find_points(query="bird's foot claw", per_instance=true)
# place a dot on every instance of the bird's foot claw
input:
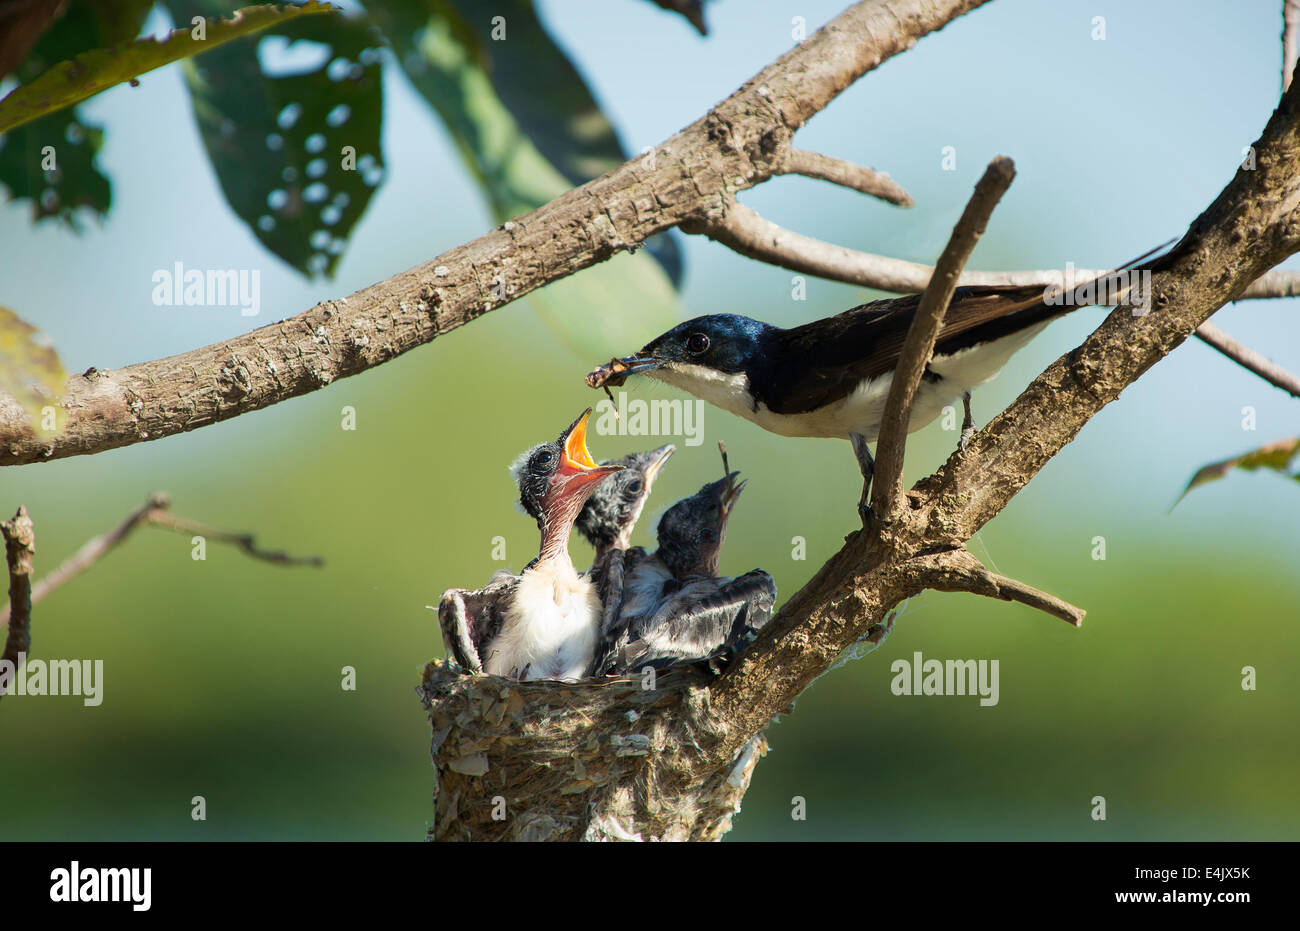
(966, 434)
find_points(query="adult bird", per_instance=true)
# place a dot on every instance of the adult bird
(831, 377)
(545, 622)
(675, 606)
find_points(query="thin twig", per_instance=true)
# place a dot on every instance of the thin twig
(887, 494)
(1248, 358)
(749, 233)
(846, 174)
(244, 541)
(20, 553)
(152, 512)
(1290, 28)
(95, 548)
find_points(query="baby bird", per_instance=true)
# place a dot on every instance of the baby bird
(675, 606)
(607, 521)
(545, 622)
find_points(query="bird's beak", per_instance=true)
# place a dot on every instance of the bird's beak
(657, 460)
(731, 493)
(635, 365)
(577, 466)
(615, 371)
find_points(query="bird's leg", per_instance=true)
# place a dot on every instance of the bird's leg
(967, 423)
(868, 467)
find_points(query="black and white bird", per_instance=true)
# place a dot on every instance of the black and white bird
(545, 622)
(675, 606)
(831, 377)
(608, 519)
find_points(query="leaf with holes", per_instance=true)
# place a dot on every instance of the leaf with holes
(297, 154)
(90, 72)
(51, 161)
(30, 370)
(1282, 457)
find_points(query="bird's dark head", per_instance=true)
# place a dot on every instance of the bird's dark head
(555, 479)
(609, 515)
(692, 531)
(726, 343)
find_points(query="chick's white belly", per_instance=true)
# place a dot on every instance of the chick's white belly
(549, 631)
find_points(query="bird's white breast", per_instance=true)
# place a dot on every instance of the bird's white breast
(550, 628)
(861, 410)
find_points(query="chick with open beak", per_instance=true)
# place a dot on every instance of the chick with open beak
(544, 623)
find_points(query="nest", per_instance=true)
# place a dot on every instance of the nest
(637, 758)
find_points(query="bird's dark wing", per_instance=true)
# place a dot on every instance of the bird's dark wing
(607, 575)
(470, 619)
(700, 618)
(820, 362)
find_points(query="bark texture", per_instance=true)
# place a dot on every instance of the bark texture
(695, 174)
(693, 738)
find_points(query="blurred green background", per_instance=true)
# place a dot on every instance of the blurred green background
(222, 677)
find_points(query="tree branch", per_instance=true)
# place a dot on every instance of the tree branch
(154, 511)
(1248, 358)
(740, 143)
(846, 174)
(20, 553)
(244, 541)
(964, 573)
(1290, 27)
(745, 231)
(887, 494)
(1252, 226)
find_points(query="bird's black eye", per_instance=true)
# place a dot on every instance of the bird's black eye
(544, 459)
(696, 343)
(634, 487)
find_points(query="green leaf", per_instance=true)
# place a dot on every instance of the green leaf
(51, 161)
(449, 59)
(510, 98)
(90, 72)
(298, 155)
(692, 10)
(30, 370)
(1275, 457)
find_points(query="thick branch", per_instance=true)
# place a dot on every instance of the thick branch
(846, 174)
(1248, 358)
(740, 143)
(1253, 225)
(20, 554)
(887, 495)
